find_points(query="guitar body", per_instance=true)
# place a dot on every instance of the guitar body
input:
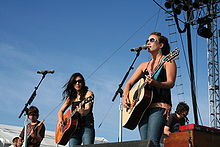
(140, 98)
(63, 133)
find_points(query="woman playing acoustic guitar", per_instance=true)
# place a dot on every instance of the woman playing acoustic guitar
(76, 95)
(153, 119)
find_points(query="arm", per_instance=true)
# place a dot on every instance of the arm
(63, 108)
(84, 111)
(168, 125)
(134, 78)
(166, 130)
(171, 77)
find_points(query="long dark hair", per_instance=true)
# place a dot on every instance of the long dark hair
(162, 39)
(70, 91)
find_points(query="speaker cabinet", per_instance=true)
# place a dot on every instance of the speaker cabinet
(194, 138)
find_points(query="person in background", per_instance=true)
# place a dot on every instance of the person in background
(177, 119)
(19, 142)
(74, 93)
(35, 129)
(153, 120)
(14, 142)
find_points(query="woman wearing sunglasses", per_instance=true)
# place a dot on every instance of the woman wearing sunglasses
(76, 95)
(153, 119)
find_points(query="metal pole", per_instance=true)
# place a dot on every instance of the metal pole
(192, 80)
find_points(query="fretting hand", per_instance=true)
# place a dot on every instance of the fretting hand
(150, 81)
(81, 110)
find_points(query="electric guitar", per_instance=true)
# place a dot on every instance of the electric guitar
(70, 124)
(141, 96)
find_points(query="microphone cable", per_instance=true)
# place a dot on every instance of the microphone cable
(116, 50)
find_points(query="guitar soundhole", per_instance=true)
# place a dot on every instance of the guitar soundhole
(64, 123)
(136, 96)
(147, 87)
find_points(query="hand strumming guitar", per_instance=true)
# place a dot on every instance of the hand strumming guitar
(60, 122)
(126, 102)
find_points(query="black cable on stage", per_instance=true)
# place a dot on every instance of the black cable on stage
(52, 110)
(157, 20)
(147, 21)
(184, 53)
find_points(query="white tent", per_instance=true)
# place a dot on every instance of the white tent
(7, 133)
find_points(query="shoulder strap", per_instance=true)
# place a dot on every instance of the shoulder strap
(158, 72)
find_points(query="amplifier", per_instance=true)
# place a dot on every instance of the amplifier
(199, 128)
(195, 136)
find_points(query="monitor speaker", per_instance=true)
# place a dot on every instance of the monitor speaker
(141, 143)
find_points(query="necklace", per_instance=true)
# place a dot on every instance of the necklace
(152, 67)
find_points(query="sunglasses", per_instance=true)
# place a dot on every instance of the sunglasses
(151, 40)
(79, 81)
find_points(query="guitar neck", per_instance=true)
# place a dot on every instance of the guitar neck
(71, 115)
(74, 111)
(166, 58)
(80, 105)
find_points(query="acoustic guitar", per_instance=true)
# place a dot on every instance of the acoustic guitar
(70, 124)
(141, 96)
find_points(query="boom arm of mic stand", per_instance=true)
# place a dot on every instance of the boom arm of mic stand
(119, 90)
(33, 95)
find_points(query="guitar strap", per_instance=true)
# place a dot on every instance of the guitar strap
(158, 72)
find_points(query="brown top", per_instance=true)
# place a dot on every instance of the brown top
(39, 132)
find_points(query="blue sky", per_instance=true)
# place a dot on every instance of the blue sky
(91, 37)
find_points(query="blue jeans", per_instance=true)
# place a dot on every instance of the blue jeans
(83, 135)
(152, 124)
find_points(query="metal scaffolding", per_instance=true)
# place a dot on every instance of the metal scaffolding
(213, 69)
(203, 13)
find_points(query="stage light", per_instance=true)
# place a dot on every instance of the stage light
(204, 20)
(168, 4)
(185, 7)
(204, 32)
(195, 4)
(176, 2)
(206, 1)
(178, 9)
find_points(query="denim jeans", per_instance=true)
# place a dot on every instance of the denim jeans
(152, 124)
(83, 135)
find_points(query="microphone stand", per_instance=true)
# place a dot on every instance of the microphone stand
(25, 109)
(120, 91)
(190, 137)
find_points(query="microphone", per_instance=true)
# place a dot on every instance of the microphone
(45, 72)
(186, 119)
(137, 49)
